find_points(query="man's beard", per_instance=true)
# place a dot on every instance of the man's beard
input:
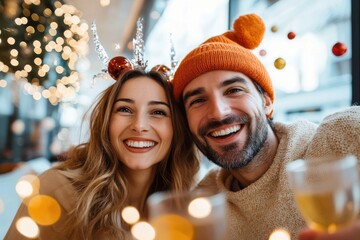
(233, 157)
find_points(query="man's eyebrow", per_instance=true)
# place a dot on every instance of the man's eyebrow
(193, 93)
(232, 80)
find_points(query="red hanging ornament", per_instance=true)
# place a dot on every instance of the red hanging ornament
(291, 35)
(118, 65)
(339, 49)
(161, 69)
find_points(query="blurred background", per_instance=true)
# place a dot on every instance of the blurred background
(48, 61)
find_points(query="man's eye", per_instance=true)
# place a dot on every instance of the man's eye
(196, 101)
(234, 90)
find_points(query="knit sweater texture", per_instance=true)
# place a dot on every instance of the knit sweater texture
(254, 212)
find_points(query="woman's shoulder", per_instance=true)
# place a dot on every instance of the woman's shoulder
(55, 184)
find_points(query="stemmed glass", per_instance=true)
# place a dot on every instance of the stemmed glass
(327, 191)
(190, 215)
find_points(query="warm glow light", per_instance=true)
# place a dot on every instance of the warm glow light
(59, 69)
(37, 96)
(47, 12)
(143, 231)
(130, 215)
(27, 68)
(37, 43)
(30, 29)
(38, 61)
(37, 50)
(104, 3)
(24, 20)
(11, 40)
(59, 12)
(27, 227)
(35, 17)
(199, 208)
(18, 21)
(14, 62)
(3, 83)
(46, 93)
(280, 234)
(27, 186)
(14, 52)
(44, 210)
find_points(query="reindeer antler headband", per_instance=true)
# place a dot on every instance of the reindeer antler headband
(119, 64)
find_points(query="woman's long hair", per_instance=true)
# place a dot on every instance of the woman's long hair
(97, 176)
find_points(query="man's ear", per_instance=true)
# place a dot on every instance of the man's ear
(268, 105)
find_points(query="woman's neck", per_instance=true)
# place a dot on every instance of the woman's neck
(139, 183)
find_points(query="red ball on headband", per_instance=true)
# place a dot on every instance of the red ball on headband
(118, 65)
(162, 69)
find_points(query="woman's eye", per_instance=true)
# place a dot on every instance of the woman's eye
(159, 112)
(124, 110)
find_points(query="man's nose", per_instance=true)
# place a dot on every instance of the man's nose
(219, 108)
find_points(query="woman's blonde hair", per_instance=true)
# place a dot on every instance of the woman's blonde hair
(97, 176)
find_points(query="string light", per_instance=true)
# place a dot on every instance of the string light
(39, 32)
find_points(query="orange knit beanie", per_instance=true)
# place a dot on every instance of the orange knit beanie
(229, 51)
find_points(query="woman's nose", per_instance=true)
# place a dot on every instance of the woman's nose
(140, 124)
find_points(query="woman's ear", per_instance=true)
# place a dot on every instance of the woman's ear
(268, 105)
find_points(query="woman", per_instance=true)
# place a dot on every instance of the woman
(138, 145)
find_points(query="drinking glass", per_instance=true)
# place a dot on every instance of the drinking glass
(193, 215)
(327, 191)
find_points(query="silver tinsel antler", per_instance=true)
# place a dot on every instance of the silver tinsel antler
(139, 46)
(101, 54)
(174, 62)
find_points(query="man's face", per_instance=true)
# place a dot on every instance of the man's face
(227, 117)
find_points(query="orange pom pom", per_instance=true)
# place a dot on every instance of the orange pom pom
(249, 30)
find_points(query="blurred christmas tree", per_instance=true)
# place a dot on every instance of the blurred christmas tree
(41, 42)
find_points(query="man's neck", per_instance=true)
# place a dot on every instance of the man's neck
(258, 166)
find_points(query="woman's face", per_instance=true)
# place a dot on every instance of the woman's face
(140, 124)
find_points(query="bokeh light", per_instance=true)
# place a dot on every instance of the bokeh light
(130, 215)
(280, 234)
(143, 231)
(27, 186)
(200, 208)
(27, 227)
(44, 210)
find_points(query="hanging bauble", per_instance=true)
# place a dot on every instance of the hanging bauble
(162, 69)
(339, 49)
(118, 65)
(274, 29)
(280, 63)
(291, 35)
(262, 52)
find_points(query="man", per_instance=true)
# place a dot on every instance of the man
(228, 98)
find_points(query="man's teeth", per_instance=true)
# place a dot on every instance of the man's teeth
(226, 131)
(140, 144)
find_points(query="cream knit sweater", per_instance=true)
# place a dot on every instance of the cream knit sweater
(255, 212)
